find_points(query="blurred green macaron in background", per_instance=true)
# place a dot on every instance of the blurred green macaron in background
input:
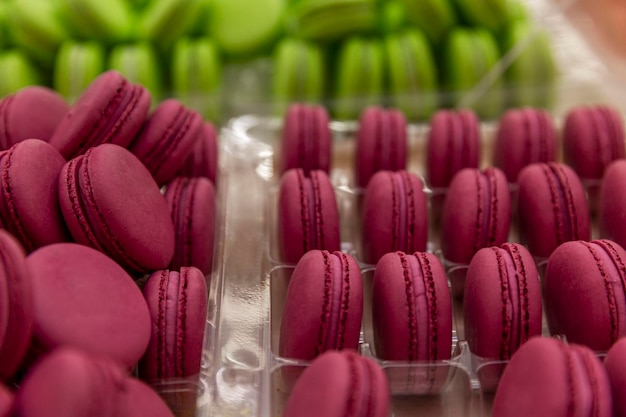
(109, 21)
(77, 64)
(412, 74)
(435, 17)
(164, 21)
(299, 73)
(490, 14)
(138, 62)
(16, 71)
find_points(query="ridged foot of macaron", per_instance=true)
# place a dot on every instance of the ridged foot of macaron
(323, 307)
(381, 143)
(501, 306)
(308, 217)
(549, 378)
(340, 384)
(585, 293)
(203, 158)
(412, 319)
(395, 215)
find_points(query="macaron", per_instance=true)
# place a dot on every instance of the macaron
(6, 402)
(453, 144)
(177, 301)
(192, 205)
(490, 14)
(204, 156)
(29, 201)
(381, 143)
(525, 136)
(166, 139)
(196, 75)
(163, 22)
(308, 216)
(585, 293)
(547, 377)
(83, 299)
(76, 65)
(16, 307)
(358, 76)
(339, 384)
(435, 17)
(32, 112)
(109, 22)
(612, 203)
(305, 139)
(593, 137)
(110, 110)
(139, 399)
(412, 74)
(299, 73)
(476, 213)
(138, 62)
(552, 207)
(323, 307)
(614, 363)
(501, 306)
(110, 202)
(17, 71)
(412, 318)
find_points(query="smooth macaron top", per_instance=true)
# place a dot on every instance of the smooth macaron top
(525, 136)
(110, 110)
(381, 143)
(340, 384)
(323, 306)
(502, 301)
(593, 137)
(615, 364)
(308, 217)
(305, 139)
(29, 202)
(552, 207)
(585, 293)
(394, 215)
(453, 144)
(546, 377)
(84, 299)
(612, 203)
(476, 213)
(32, 113)
(110, 201)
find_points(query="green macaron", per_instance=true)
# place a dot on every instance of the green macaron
(469, 55)
(108, 21)
(359, 76)
(299, 73)
(164, 21)
(16, 72)
(196, 72)
(435, 17)
(531, 76)
(412, 74)
(490, 14)
(76, 65)
(138, 62)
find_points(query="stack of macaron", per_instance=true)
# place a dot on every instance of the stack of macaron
(82, 197)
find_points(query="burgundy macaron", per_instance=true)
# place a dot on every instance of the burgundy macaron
(381, 143)
(6, 402)
(16, 306)
(324, 306)
(552, 207)
(166, 139)
(453, 144)
(395, 215)
(140, 400)
(192, 206)
(612, 203)
(85, 300)
(615, 364)
(585, 293)
(525, 136)
(305, 139)
(308, 217)
(177, 301)
(203, 159)
(340, 384)
(29, 202)
(110, 110)
(593, 137)
(476, 213)
(32, 113)
(546, 377)
(110, 202)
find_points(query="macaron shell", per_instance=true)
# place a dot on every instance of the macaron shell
(139, 400)
(85, 300)
(29, 206)
(203, 158)
(612, 203)
(615, 364)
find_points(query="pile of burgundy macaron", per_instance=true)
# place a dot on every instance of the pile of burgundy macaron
(471, 212)
(84, 216)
